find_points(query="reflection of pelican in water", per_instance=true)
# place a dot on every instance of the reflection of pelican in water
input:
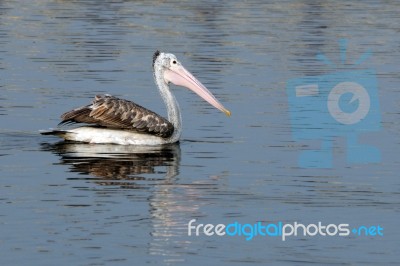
(170, 204)
(117, 164)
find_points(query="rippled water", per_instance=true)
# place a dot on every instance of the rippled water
(80, 204)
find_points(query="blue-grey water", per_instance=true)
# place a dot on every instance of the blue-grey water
(80, 204)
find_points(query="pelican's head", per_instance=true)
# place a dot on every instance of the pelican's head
(173, 71)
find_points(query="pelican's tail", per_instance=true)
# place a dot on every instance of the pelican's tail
(55, 132)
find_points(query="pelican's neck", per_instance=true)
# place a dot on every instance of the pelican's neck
(173, 111)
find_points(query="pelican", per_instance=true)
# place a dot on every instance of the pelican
(109, 119)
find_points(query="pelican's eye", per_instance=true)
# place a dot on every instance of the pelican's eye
(174, 62)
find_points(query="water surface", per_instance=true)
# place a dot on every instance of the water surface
(80, 204)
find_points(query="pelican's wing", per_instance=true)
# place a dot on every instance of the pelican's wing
(112, 112)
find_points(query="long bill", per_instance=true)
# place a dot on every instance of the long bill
(179, 76)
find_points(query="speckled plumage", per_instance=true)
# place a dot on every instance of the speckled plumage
(111, 112)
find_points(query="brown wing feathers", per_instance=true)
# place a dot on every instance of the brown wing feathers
(112, 112)
(78, 115)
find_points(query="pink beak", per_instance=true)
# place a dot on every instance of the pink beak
(179, 76)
